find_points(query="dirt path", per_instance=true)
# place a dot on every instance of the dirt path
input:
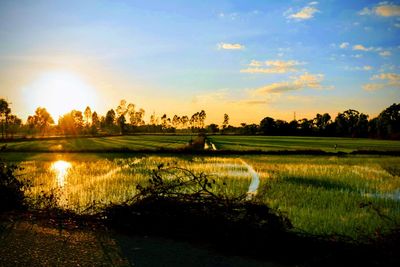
(24, 243)
(28, 244)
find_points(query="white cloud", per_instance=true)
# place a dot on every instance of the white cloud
(231, 16)
(385, 53)
(387, 80)
(373, 86)
(365, 11)
(363, 68)
(272, 66)
(311, 81)
(393, 77)
(228, 46)
(362, 48)
(383, 9)
(255, 63)
(388, 10)
(305, 13)
(344, 45)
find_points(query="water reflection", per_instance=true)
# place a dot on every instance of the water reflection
(61, 168)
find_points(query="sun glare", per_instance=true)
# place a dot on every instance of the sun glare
(60, 92)
(61, 168)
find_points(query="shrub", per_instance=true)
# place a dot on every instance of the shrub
(179, 203)
(11, 189)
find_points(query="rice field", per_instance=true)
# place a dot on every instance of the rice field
(81, 183)
(277, 143)
(220, 142)
(355, 196)
(134, 142)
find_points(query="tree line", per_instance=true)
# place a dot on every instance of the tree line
(126, 118)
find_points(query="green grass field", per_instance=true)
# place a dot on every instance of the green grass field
(136, 142)
(274, 143)
(222, 142)
(351, 195)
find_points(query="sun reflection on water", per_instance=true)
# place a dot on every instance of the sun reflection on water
(61, 168)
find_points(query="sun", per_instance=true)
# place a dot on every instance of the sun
(60, 92)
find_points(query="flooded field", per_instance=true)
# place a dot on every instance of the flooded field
(353, 195)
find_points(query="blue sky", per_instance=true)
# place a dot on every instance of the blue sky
(250, 59)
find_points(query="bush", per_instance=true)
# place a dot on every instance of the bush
(179, 203)
(11, 189)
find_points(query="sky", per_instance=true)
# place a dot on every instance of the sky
(249, 59)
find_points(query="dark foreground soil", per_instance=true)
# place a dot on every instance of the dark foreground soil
(32, 242)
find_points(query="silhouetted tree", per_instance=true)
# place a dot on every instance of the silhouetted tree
(95, 120)
(137, 117)
(249, 129)
(388, 124)
(282, 127)
(31, 124)
(164, 121)
(373, 128)
(184, 121)
(110, 118)
(13, 125)
(268, 126)
(122, 109)
(305, 126)
(321, 122)
(78, 119)
(42, 119)
(176, 120)
(88, 116)
(153, 119)
(201, 118)
(94, 128)
(212, 128)
(195, 121)
(71, 123)
(352, 123)
(4, 112)
(293, 127)
(121, 121)
(225, 123)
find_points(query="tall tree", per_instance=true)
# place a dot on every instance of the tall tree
(121, 121)
(176, 121)
(88, 116)
(202, 116)
(153, 119)
(14, 123)
(388, 123)
(225, 123)
(321, 122)
(164, 121)
(95, 120)
(71, 123)
(122, 109)
(184, 121)
(4, 112)
(352, 123)
(110, 118)
(42, 119)
(268, 126)
(136, 118)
